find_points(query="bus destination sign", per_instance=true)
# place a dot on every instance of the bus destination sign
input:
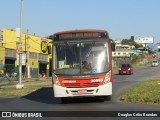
(79, 35)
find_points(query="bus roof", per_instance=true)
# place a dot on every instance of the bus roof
(80, 31)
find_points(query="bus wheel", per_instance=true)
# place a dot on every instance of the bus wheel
(64, 100)
(108, 98)
(102, 98)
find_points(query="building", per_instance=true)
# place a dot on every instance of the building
(122, 50)
(36, 53)
(122, 53)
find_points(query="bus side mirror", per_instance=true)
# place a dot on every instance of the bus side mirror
(113, 46)
(49, 49)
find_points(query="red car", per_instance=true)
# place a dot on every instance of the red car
(126, 69)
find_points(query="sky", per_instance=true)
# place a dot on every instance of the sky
(121, 18)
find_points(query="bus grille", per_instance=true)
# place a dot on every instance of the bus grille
(80, 85)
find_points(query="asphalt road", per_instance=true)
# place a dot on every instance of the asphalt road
(43, 100)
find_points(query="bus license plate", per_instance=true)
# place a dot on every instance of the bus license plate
(82, 91)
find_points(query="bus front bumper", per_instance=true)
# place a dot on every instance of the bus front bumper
(102, 90)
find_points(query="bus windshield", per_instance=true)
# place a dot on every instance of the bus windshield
(81, 58)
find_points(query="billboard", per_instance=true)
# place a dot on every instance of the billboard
(146, 40)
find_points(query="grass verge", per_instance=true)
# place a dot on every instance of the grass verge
(147, 92)
(29, 87)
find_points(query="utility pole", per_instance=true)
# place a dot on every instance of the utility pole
(20, 85)
(28, 64)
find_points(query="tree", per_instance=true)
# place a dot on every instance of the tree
(137, 45)
(130, 42)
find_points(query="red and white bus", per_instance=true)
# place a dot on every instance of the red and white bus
(82, 64)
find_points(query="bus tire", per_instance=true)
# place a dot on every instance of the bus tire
(103, 98)
(64, 100)
(108, 98)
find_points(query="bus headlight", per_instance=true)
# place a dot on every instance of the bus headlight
(107, 78)
(56, 81)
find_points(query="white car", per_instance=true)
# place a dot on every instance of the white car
(155, 63)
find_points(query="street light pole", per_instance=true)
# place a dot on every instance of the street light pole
(20, 85)
(28, 63)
